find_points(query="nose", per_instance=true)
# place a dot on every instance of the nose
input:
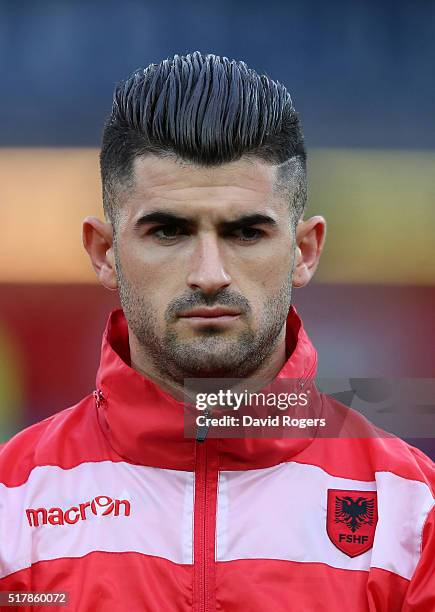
(207, 271)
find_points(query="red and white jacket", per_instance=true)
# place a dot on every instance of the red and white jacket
(111, 503)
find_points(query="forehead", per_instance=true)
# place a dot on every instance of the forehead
(235, 187)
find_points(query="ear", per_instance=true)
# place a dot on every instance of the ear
(98, 241)
(310, 238)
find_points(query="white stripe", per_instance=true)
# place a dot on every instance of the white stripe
(403, 506)
(280, 513)
(272, 513)
(160, 522)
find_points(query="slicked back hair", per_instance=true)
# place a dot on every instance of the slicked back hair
(207, 110)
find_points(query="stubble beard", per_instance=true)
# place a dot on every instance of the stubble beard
(212, 354)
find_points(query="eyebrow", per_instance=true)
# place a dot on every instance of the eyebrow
(246, 221)
(163, 217)
(169, 218)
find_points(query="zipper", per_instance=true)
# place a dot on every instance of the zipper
(206, 475)
(98, 397)
(204, 526)
(201, 431)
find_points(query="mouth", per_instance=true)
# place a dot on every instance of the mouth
(216, 314)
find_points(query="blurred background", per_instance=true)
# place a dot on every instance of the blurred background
(362, 77)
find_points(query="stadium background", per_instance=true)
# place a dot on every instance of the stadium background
(362, 78)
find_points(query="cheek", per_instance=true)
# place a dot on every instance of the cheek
(270, 269)
(266, 279)
(153, 283)
(153, 267)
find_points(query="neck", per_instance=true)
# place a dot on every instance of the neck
(267, 371)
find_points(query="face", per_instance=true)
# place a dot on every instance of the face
(204, 261)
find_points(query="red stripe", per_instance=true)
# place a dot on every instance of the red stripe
(157, 585)
(267, 584)
(206, 476)
(66, 440)
(110, 581)
(360, 459)
(74, 436)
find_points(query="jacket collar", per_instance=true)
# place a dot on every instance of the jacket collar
(145, 425)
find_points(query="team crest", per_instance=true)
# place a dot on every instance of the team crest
(351, 520)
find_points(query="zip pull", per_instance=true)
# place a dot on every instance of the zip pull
(99, 397)
(202, 430)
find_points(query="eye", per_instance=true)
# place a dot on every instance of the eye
(167, 233)
(247, 234)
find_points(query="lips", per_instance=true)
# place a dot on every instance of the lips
(210, 313)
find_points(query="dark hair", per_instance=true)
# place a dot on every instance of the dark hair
(205, 109)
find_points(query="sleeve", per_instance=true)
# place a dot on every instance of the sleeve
(420, 595)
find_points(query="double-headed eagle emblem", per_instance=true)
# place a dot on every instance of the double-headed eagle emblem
(354, 512)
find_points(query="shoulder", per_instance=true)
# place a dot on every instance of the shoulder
(353, 447)
(65, 440)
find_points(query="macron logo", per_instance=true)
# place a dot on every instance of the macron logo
(99, 506)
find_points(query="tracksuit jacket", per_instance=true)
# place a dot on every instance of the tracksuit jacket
(111, 503)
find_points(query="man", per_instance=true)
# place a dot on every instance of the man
(204, 187)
